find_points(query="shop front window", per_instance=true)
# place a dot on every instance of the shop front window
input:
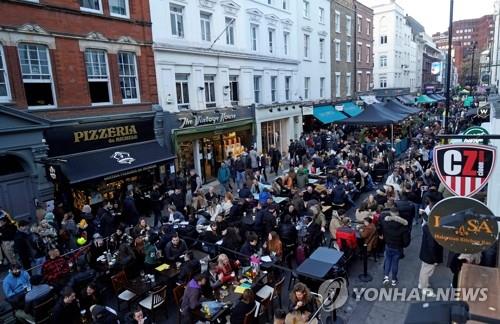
(272, 135)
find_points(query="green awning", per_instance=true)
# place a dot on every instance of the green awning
(192, 133)
(328, 114)
(425, 99)
(351, 109)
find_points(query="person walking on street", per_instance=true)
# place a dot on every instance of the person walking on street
(223, 176)
(431, 254)
(396, 236)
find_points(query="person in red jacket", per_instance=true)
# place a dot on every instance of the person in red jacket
(225, 269)
(346, 233)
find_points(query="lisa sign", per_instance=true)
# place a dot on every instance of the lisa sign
(463, 225)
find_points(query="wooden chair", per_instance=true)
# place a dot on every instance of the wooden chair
(119, 282)
(265, 307)
(250, 316)
(154, 301)
(42, 311)
(278, 287)
(178, 292)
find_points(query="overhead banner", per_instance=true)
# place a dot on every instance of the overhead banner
(464, 169)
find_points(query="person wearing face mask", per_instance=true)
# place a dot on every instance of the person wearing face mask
(15, 285)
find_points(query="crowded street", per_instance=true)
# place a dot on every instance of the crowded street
(254, 162)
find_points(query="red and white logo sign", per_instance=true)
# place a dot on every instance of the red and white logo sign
(464, 169)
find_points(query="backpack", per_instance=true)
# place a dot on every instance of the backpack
(300, 253)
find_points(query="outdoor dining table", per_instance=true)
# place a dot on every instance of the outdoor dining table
(140, 286)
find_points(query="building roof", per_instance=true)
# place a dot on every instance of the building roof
(416, 27)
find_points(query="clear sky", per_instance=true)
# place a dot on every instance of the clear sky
(434, 14)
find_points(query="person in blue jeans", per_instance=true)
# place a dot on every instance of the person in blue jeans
(396, 233)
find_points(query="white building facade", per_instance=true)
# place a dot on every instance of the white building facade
(395, 53)
(214, 54)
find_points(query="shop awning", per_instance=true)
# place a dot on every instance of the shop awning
(351, 109)
(405, 100)
(377, 114)
(424, 99)
(398, 107)
(435, 97)
(328, 114)
(369, 99)
(120, 159)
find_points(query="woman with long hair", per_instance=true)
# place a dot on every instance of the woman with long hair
(302, 302)
(225, 269)
(274, 246)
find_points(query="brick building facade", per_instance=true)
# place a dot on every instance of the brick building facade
(72, 58)
(465, 33)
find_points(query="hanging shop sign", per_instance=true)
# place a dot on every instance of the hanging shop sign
(91, 136)
(483, 111)
(199, 120)
(464, 169)
(463, 225)
(475, 130)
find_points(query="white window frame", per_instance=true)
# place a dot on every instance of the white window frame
(338, 79)
(358, 81)
(284, 5)
(229, 21)
(257, 84)
(135, 76)
(274, 88)
(321, 49)
(177, 33)
(368, 53)
(209, 79)
(288, 80)
(322, 87)
(254, 37)
(8, 96)
(383, 82)
(348, 51)
(286, 42)
(183, 105)
(307, 85)
(348, 81)
(86, 9)
(127, 10)
(89, 79)
(321, 15)
(307, 46)
(368, 26)
(51, 80)
(359, 22)
(306, 8)
(204, 22)
(271, 38)
(348, 25)
(383, 61)
(234, 79)
(338, 56)
(359, 51)
(337, 21)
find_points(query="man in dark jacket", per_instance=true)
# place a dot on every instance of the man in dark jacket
(175, 248)
(431, 254)
(191, 300)
(313, 235)
(66, 309)
(189, 268)
(130, 213)
(396, 236)
(23, 244)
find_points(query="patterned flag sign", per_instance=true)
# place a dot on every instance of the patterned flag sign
(464, 169)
